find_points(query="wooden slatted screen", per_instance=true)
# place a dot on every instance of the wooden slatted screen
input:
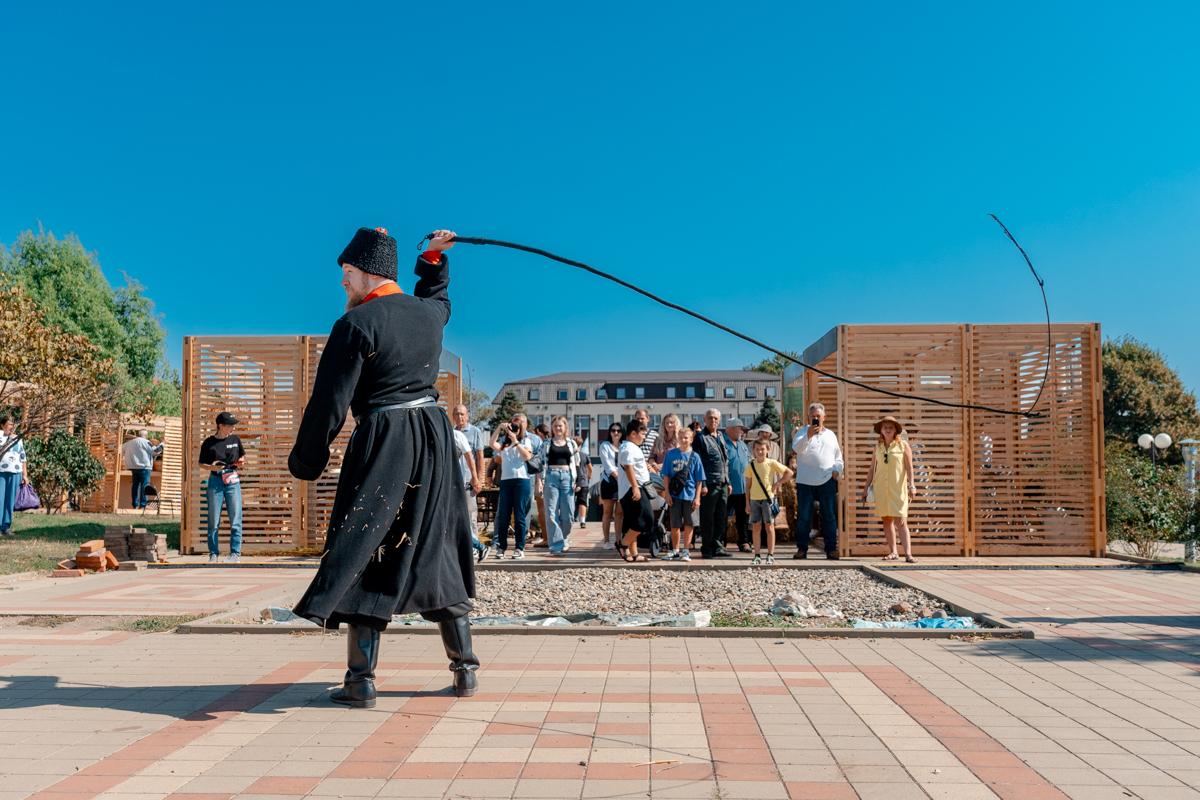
(105, 438)
(265, 382)
(921, 360)
(987, 484)
(1036, 479)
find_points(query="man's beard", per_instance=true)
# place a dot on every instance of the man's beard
(355, 296)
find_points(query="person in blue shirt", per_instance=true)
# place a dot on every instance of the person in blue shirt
(739, 457)
(685, 506)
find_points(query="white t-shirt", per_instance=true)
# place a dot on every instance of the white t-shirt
(464, 452)
(631, 454)
(12, 460)
(511, 463)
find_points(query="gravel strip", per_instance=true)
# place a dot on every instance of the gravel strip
(641, 591)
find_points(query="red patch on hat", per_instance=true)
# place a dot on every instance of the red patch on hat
(382, 230)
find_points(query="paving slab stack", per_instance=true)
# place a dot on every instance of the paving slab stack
(116, 540)
(130, 544)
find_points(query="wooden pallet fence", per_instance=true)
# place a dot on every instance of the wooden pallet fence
(264, 381)
(987, 483)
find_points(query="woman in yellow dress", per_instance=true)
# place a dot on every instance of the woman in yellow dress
(891, 479)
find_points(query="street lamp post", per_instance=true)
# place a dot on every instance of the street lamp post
(1155, 444)
(1190, 449)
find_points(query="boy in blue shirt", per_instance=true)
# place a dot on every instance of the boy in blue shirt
(683, 495)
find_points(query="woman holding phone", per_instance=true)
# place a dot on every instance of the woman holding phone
(608, 484)
(221, 455)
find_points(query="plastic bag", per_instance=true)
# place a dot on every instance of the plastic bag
(27, 498)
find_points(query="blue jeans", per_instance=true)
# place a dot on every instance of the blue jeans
(231, 497)
(513, 503)
(141, 477)
(557, 488)
(9, 483)
(826, 495)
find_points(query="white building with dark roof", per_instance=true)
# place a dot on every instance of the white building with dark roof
(594, 400)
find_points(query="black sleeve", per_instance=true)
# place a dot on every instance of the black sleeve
(434, 283)
(205, 453)
(241, 451)
(337, 376)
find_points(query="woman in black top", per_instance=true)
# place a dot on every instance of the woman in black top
(558, 453)
(221, 455)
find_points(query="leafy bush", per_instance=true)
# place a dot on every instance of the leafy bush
(61, 464)
(1146, 505)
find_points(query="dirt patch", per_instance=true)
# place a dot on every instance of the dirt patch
(59, 622)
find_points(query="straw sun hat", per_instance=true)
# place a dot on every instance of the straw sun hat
(891, 419)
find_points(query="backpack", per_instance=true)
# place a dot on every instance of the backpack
(679, 481)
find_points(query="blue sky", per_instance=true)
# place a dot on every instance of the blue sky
(781, 167)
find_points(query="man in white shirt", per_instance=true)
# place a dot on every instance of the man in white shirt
(138, 454)
(470, 476)
(461, 417)
(819, 465)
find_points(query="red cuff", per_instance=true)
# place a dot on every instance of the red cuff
(432, 256)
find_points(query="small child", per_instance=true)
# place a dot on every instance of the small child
(685, 506)
(761, 487)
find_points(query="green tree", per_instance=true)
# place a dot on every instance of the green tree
(774, 365)
(769, 415)
(479, 407)
(509, 404)
(1142, 394)
(65, 280)
(61, 466)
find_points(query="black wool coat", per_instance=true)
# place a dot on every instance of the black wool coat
(399, 538)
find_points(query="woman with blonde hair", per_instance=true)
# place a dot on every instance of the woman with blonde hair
(559, 453)
(668, 433)
(891, 480)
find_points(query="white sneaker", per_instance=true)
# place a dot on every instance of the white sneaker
(685, 556)
(498, 554)
(608, 545)
(519, 555)
(213, 558)
(233, 558)
(566, 545)
(671, 556)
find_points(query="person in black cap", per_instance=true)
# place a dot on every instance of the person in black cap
(399, 538)
(221, 455)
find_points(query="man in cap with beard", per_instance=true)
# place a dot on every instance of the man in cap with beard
(399, 538)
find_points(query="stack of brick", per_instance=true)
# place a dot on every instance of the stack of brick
(116, 540)
(150, 547)
(93, 556)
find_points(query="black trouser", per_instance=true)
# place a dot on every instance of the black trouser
(714, 511)
(826, 496)
(741, 519)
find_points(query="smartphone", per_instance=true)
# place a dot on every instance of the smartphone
(218, 463)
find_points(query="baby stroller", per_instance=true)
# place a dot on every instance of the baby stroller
(654, 541)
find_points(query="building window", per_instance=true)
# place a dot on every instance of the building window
(562, 394)
(621, 393)
(770, 391)
(639, 392)
(748, 419)
(603, 423)
(602, 394)
(689, 392)
(534, 421)
(751, 392)
(670, 392)
(583, 425)
(533, 394)
(655, 421)
(709, 392)
(730, 393)
(581, 394)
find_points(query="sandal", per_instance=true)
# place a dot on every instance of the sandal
(639, 558)
(891, 557)
(910, 559)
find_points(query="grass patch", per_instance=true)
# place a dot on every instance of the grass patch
(42, 540)
(158, 624)
(47, 621)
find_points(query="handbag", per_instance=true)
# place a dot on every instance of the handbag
(537, 461)
(230, 478)
(27, 498)
(774, 501)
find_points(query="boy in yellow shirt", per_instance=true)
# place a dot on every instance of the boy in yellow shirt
(761, 487)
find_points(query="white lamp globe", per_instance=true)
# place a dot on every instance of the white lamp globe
(1162, 441)
(1145, 440)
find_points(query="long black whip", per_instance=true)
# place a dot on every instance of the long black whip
(696, 315)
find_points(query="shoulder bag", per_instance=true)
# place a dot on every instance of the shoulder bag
(774, 501)
(679, 481)
(538, 462)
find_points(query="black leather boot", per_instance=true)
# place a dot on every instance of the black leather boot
(456, 636)
(362, 654)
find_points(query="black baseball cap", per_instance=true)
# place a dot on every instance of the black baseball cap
(225, 418)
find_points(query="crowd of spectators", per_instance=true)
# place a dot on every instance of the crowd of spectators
(704, 473)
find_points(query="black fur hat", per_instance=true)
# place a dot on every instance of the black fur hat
(372, 251)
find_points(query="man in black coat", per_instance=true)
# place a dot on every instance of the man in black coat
(399, 538)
